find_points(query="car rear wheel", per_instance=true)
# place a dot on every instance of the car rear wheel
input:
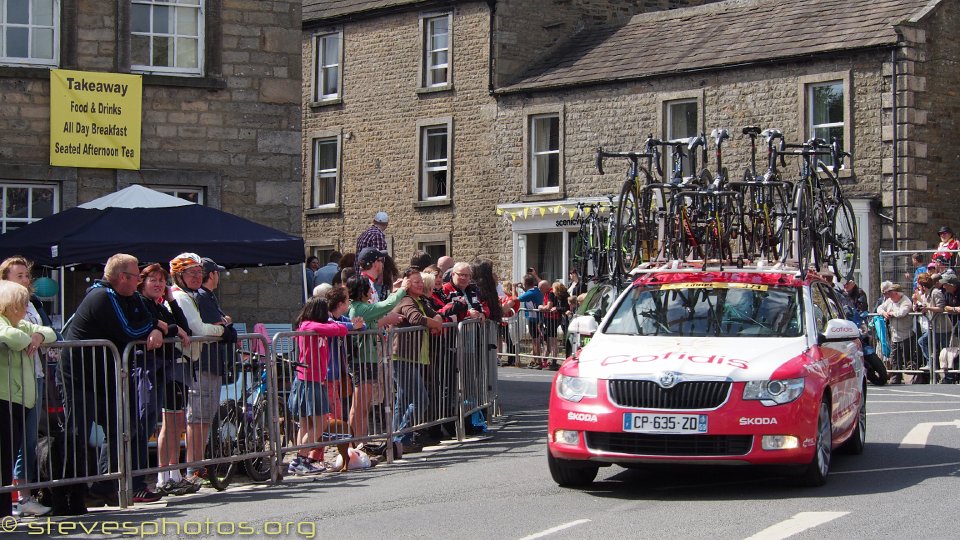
(815, 474)
(568, 473)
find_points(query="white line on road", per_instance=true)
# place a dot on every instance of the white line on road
(888, 469)
(917, 393)
(797, 524)
(558, 528)
(910, 412)
(901, 402)
(917, 438)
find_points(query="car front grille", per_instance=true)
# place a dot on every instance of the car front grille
(684, 396)
(642, 444)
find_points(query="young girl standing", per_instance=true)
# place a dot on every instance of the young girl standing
(308, 397)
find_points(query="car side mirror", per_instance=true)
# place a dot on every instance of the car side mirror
(839, 330)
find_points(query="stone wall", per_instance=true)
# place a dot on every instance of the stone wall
(378, 119)
(929, 80)
(619, 117)
(235, 132)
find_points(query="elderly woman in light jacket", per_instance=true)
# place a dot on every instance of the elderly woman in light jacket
(19, 340)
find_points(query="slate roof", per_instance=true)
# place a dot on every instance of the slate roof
(717, 35)
(328, 9)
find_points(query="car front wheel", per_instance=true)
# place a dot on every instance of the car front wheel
(815, 474)
(568, 473)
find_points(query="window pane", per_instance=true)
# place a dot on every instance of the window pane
(17, 42)
(548, 167)
(328, 190)
(42, 203)
(827, 134)
(187, 22)
(17, 202)
(546, 134)
(162, 24)
(43, 12)
(186, 52)
(18, 11)
(162, 51)
(331, 50)
(327, 155)
(436, 144)
(42, 43)
(437, 184)
(438, 33)
(140, 18)
(828, 104)
(330, 81)
(438, 58)
(140, 50)
(683, 120)
(438, 76)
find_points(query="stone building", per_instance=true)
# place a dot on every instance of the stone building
(220, 120)
(533, 87)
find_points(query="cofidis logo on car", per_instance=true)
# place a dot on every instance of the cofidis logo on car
(715, 359)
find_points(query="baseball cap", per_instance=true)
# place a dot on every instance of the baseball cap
(888, 286)
(381, 217)
(209, 265)
(369, 255)
(945, 229)
(184, 261)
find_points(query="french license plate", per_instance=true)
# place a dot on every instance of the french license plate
(665, 423)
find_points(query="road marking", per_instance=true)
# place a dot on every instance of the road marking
(901, 402)
(558, 528)
(888, 469)
(916, 393)
(917, 438)
(910, 412)
(796, 525)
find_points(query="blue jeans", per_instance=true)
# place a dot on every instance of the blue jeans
(25, 466)
(411, 396)
(940, 340)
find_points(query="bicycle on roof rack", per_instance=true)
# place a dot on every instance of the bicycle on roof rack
(825, 227)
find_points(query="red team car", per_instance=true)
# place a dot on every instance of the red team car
(749, 366)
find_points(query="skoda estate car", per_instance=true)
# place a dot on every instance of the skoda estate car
(745, 366)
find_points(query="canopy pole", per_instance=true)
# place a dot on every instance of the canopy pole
(303, 274)
(63, 296)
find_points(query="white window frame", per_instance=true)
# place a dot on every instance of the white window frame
(805, 87)
(4, 185)
(200, 37)
(31, 26)
(179, 191)
(428, 166)
(427, 24)
(811, 104)
(320, 44)
(534, 154)
(317, 175)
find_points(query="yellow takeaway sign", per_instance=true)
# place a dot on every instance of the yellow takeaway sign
(95, 119)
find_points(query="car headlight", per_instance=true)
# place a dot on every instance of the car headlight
(576, 388)
(775, 392)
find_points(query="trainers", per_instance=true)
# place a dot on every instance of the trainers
(146, 496)
(29, 507)
(313, 466)
(186, 485)
(167, 488)
(299, 467)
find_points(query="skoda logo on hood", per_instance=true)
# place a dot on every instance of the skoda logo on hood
(668, 378)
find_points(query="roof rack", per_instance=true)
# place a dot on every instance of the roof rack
(745, 266)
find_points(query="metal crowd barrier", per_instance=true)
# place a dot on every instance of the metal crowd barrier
(73, 433)
(536, 338)
(117, 407)
(929, 355)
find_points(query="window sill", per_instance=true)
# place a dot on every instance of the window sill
(327, 210)
(435, 89)
(25, 71)
(431, 203)
(210, 83)
(326, 103)
(549, 196)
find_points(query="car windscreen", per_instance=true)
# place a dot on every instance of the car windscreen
(708, 309)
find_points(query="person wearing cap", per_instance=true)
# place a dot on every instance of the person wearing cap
(111, 310)
(194, 280)
(947, 249)
(950, 285)
(895, 309)
(374, 236)
(371, 261)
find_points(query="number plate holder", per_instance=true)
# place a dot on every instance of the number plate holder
(681, 424)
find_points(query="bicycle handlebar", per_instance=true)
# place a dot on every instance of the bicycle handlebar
(632, 156)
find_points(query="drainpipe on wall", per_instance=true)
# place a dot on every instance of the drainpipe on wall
(492, 4)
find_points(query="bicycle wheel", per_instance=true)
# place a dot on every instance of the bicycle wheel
(804, 225)
(581, 251)
(597, 254)
(842, 245)
(224, 435)
(256, 438)
(628, 228)
(780, 219)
